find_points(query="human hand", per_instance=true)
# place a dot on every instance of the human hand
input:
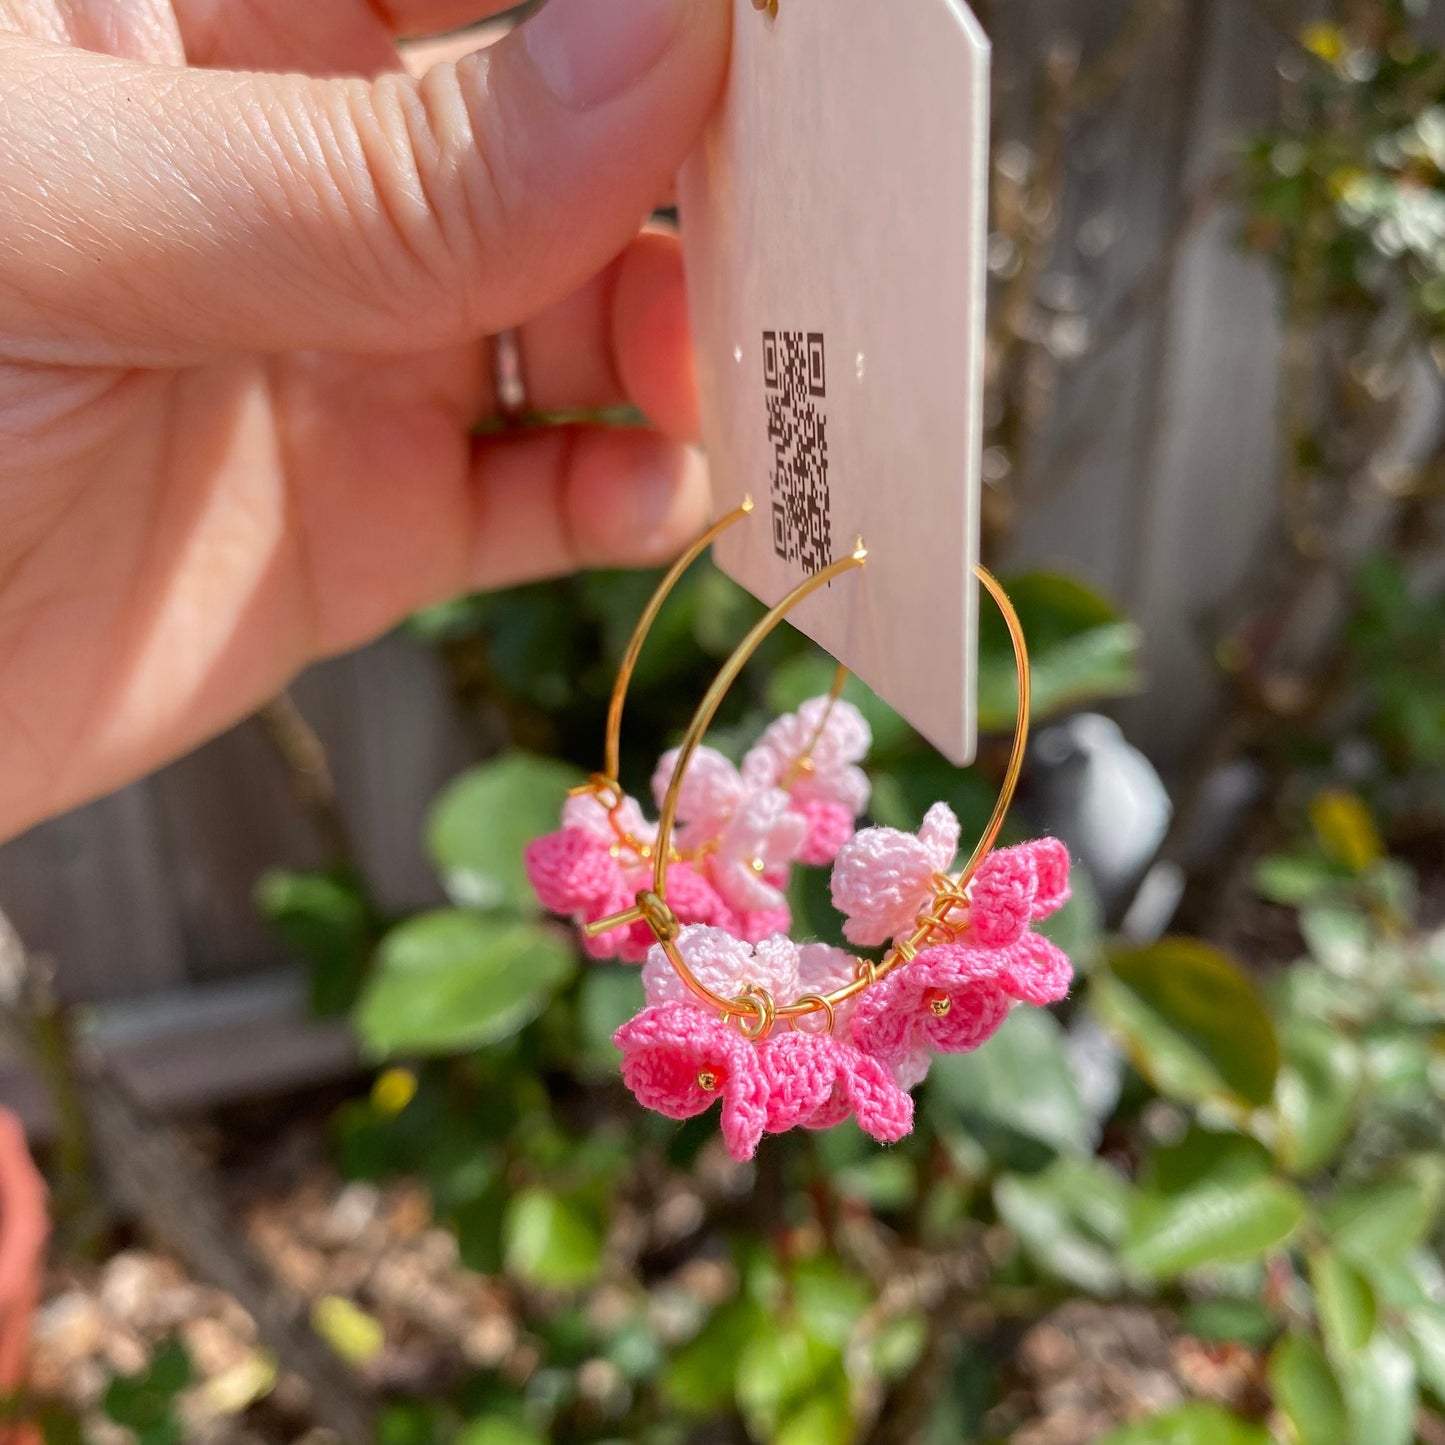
(242, 341)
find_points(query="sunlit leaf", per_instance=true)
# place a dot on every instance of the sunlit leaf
(1215, 1222)
(1191, 1021)
(1081, 651)
(1070, 1220)
(1381, 1393)
(1345, 1300)
(355, 1335)
(1379, 1222)
(1019, 1080)
(551, 1240)
(1425, 1327)
(1190, 1425)
(1306, 1390)
(482, 822)
(452, 980)
(1317, 1094)
(700, 1379)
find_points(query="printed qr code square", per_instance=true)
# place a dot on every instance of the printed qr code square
(795, 375)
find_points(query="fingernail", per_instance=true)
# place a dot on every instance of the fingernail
(667, 502)
(590, 51)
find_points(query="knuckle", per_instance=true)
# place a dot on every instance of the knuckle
(432, 172)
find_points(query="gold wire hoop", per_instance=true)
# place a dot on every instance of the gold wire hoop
(755, 1011)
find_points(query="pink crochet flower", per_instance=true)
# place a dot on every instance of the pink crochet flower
(679, 1061)
(830, 825)
(883, 878)
(571, 869)
(1014, 886)
(817, 1080)
(954, 997)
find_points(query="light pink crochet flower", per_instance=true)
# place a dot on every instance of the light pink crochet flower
(748, 833)
(829, 789)
(711, 791)
(724, 964)
(754, 851)
(817, 1080)
(592, 815)
(680, 1061)
(883, 878)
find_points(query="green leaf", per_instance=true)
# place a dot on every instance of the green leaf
(1205, 1156)
(170, 1369)
(1306, 1390)
(1337, 937)
(1080, 648)
(780, 1370)
(1191, 1021)
(552, 1240)
(1381, 1394)
(482, 822)
(1190, 1425)
(326, 919)
(1019, 1080)
(1345, 1301)
(1378, 1223)
(1070, 1220)
(608, 997)
(1425, 1328)
(825, 1418)
(1316, 1095)
(1240, 1321)
(1216, 1222)
(828, 1299)
(1294, 879)
(498, 1430)
(700, 1380)
(449, 980)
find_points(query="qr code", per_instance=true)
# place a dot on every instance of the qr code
(795, 378)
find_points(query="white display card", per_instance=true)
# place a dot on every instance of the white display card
(834, 222)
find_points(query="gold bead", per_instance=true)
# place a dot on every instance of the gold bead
(759, 866)
(707, 1081)
(939, 1005)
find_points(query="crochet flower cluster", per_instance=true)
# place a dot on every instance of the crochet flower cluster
(796, 799)
(957, 960)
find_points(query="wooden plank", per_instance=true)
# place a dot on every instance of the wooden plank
(394, 737)
(1214, 494)
(92, 891)
(194, 1047)
(1087, 473)
(226, 815)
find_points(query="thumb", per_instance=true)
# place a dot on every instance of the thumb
(149, 214)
